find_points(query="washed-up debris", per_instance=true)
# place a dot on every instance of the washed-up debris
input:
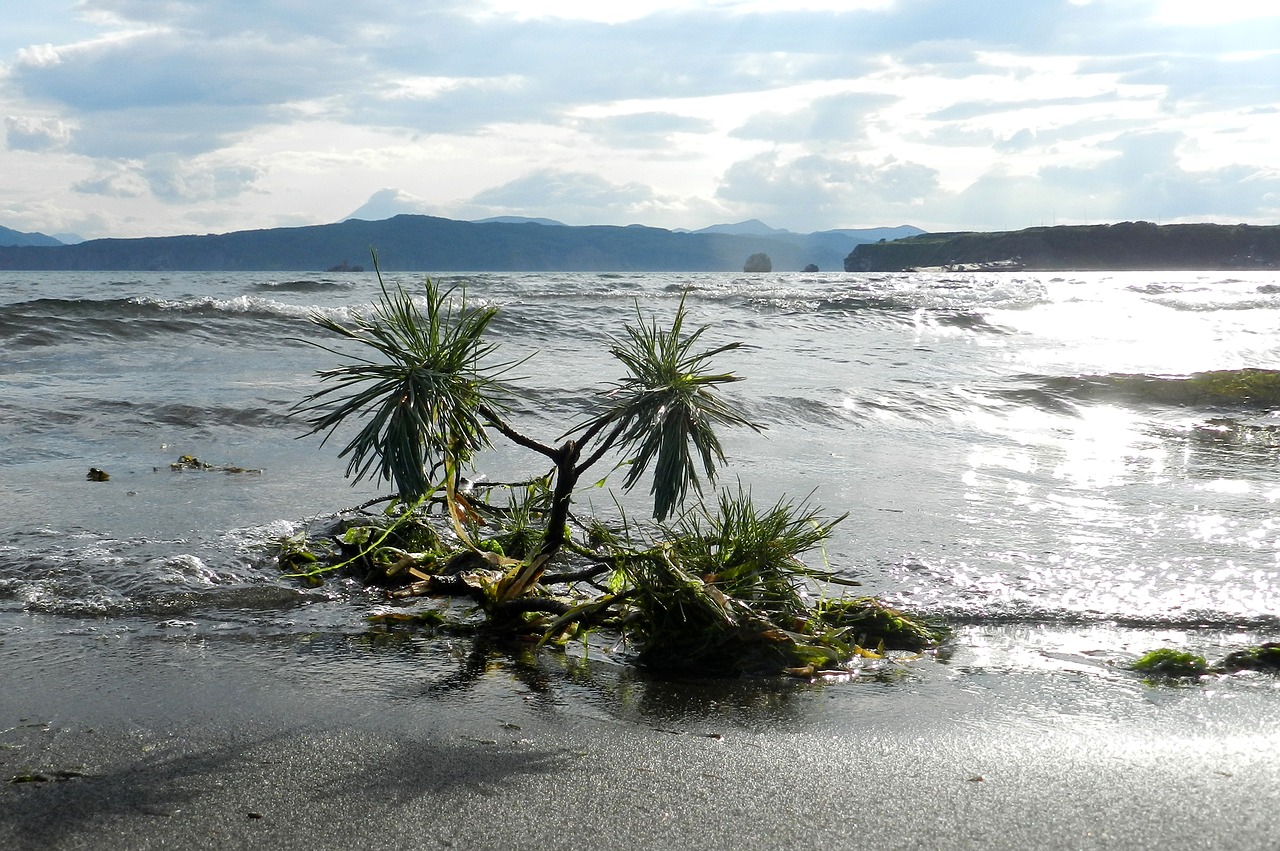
(56, 775)
(1169, 663)
(190, 462)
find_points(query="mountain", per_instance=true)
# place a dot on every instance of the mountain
(386, 203)
(520, 220)
(1117, 247)
(16, 237)
(751, 227)
(431, 244)
(821, 244)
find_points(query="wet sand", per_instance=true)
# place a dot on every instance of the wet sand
(335, 743)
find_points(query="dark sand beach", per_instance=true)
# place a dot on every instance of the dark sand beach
(158, 742)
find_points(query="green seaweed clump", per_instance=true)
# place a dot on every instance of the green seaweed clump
(875, 624)
(1167, 662)
(1254, 388)
(1263, 657)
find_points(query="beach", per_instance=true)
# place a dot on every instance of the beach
(225, 744)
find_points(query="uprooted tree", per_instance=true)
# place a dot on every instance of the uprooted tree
(712, 589)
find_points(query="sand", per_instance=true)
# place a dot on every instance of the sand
(335, 742)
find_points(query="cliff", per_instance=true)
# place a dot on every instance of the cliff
(1124, 246)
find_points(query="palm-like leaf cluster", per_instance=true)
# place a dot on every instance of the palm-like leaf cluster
(665, 411)
(726, 591)
(420, 392)
(751, 554)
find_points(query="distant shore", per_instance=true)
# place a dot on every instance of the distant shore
(1127, 246)
(202, 743)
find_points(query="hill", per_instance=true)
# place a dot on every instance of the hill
(428, 243)
(1118, 247)
(15, 237)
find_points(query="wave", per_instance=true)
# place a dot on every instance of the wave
(85, 574)
(50, 321)
(305, 285)
(1202, 597)
(1247, 389)
(1033, 615)
(72, 411)
(1241, 304)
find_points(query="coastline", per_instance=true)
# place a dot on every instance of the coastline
(332, 741)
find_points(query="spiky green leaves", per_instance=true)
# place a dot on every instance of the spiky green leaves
(726, 591)
(419, 388)
(751, 553)
(664, 412)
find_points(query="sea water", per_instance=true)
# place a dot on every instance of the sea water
(1020, 454)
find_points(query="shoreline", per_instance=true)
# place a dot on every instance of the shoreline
(339, 742)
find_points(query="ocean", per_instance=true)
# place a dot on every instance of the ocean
(1036, 458)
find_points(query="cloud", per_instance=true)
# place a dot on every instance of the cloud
(1143, 180)
(574, 196)
(114, 182)
(386, 203)
(965, 110)
(642, 130)
(812, 190)
(26, 133)
(1193, 81)
(821, 113)
(839, 118)
(177, 181)
(171, 180)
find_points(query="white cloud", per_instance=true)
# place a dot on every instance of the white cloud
(811, 190)
(171, 180)
(574, 197)
(39, 56)
(27, 133)
(1198, 13)
(617, 13)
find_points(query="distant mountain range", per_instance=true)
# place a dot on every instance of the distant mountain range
(17, 237)
(433, 244)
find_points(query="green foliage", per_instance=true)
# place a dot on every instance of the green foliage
(1167, 662)
(728, 594)
(519, 525)
(664, 412)
(1253, 388)
(870, 623)
(420, 389)
(751, 554)
(296, 557)
(1262, 657)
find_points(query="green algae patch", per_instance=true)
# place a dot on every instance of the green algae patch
(1179, 664)
(875, 624)
(1254, 389)
(1167, 662)
(1263, 657)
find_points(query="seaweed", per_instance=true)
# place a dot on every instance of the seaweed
(1180, 664)
(1167, 662)
(1262, 657)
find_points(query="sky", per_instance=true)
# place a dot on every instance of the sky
(129, 118)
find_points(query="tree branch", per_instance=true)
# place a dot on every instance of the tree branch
(516, 437)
